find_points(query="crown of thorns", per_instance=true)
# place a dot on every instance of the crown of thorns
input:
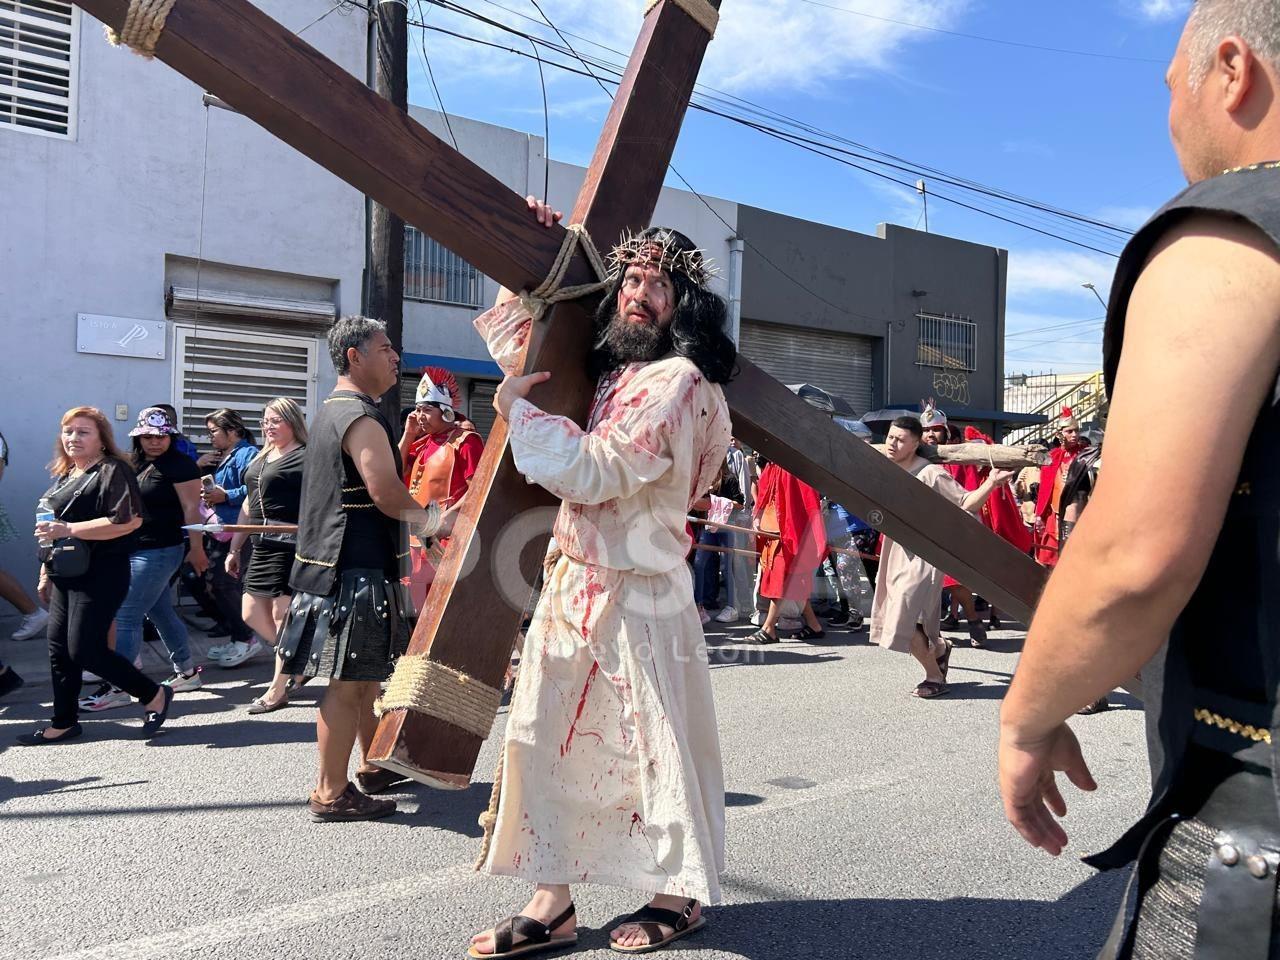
(664, 254)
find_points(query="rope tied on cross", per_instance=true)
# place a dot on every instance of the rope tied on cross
(435, 690)
(142, 26)
(549, 292)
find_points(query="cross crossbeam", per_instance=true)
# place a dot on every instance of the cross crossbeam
(235, 51)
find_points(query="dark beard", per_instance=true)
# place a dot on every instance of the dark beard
(635, 341)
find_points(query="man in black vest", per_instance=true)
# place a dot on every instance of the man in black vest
(1196, 304)
(347, 620)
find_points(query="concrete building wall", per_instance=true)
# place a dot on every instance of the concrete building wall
(89, 225)
(818, 277)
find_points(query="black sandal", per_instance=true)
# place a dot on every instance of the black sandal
(760, 637)
(930, 690)
(38, 739)
(651, 920)
(807, 633)
(537, 937)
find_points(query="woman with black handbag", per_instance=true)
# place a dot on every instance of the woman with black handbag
(84, 572)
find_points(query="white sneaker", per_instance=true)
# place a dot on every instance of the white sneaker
(108, 701)
(218, 650)
(101, 688)
(32, 625)
(727, 615)
(182, 682)
(704, 616)
(238, 652)
(757, 618)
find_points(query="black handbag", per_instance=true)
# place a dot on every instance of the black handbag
(67, 557)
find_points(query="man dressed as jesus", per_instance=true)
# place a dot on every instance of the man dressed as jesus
(611, 770)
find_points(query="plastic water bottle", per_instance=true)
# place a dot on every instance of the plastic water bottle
(44, 514)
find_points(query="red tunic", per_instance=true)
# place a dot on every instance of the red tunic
(456, 451)
(792, 508)
(1052, 477)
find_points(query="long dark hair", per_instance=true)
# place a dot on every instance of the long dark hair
(697, 327)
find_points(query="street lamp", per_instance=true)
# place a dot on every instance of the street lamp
(1090, 287)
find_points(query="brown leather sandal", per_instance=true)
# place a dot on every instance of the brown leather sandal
(651, 920)
(930, 690)
(537, 937)
(350, 805)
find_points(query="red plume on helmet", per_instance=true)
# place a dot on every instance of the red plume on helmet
(973, 434)
(446, 381)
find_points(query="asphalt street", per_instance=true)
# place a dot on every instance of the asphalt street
(862, 823)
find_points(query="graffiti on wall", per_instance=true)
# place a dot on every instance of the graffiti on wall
(950, 385)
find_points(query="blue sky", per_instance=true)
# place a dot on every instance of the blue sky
(1083, 133)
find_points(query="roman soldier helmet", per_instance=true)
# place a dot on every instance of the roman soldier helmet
(438, 386)
(931, 416)
(1067, 420)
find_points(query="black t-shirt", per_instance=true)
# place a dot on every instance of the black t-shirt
(163, 516)
(275, 487)
(107, 489)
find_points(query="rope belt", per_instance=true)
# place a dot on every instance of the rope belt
(430, 688)
(550, 292)
(703, 13)
(143, 25)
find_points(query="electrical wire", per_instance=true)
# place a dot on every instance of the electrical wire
(431, 73)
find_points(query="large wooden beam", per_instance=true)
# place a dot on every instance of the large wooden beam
(770, 418)
(471, 621)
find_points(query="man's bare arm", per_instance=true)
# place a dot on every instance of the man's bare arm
(365, 443)
(1208, 348)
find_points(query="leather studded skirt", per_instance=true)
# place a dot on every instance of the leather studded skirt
(355, 633)
(1204, 885)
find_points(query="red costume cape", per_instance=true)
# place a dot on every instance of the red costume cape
(788, 563)
(1000, 513)
(1047, 543)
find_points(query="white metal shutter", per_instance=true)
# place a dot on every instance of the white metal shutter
(242, 371)
(480, 405)
(39, 42)
(839, 363)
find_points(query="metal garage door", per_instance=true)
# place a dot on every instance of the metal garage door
(839, 363)
(480, 405)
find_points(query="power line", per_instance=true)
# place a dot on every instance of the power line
(431, 74)
(992, 194)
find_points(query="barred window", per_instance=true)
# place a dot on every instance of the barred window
(946, 341)
(433, 273)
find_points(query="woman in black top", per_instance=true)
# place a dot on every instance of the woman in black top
(94, 499)
(274, 493)
(170, 487)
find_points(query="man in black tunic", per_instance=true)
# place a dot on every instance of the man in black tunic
(347, 620)
(1195, 308)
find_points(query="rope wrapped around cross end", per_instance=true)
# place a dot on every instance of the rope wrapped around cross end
(549, 292)
(435, 690)
(142, 26)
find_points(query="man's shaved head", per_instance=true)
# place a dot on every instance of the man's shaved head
(1256, 22)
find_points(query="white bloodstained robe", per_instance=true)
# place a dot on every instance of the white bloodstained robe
(612, 769)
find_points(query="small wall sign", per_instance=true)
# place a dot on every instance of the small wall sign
(120, 336)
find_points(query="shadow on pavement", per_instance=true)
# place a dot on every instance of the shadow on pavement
(1072, 928)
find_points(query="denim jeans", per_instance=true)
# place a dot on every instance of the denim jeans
(149, 574)
(706, 567)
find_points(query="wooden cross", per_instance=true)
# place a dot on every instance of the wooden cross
(235, 51)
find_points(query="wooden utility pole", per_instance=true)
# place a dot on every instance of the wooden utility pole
(384, 283)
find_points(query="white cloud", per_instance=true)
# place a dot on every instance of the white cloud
(1131, 218)
(759, 44)
(1034, 273)
(1163, 9)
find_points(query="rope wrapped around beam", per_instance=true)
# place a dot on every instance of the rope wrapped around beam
(142, 27)
(430, 688)
(549, 292)
(703, 13)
